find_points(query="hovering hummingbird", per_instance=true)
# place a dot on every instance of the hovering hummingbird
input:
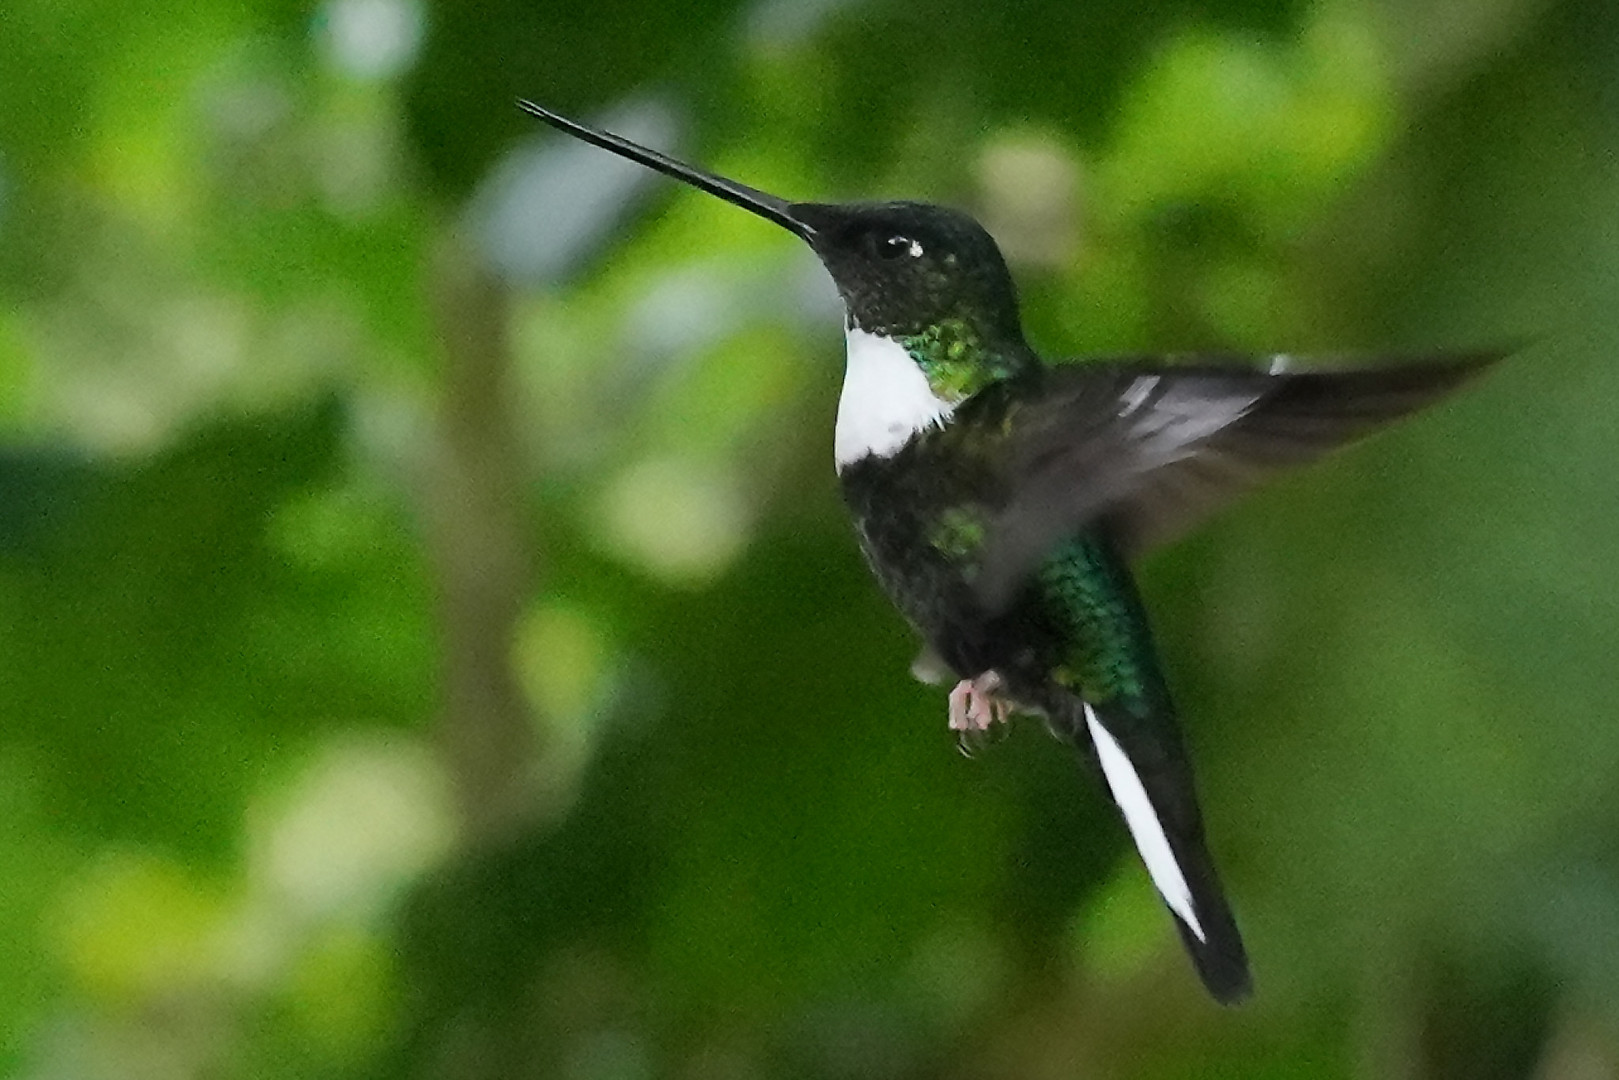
(999, 500)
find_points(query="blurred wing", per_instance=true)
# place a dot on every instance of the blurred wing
(1155, 450)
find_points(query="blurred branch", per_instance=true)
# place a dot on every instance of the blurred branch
(480, 550)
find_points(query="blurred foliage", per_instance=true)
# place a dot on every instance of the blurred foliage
(430, 644)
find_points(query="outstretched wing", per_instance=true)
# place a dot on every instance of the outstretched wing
(1154, 449)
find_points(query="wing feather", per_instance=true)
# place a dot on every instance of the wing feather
(1154, 449)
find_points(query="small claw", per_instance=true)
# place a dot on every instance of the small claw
(970, 742)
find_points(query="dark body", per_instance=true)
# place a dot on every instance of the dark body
(1074, 632)
(922, 517)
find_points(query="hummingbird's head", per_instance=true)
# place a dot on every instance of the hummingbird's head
(905, 268)
(925, 276)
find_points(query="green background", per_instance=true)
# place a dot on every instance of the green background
(431, 644)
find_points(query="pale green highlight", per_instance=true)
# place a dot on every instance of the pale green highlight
(954, 357)
(959, 533)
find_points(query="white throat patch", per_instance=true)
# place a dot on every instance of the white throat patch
(886, 399)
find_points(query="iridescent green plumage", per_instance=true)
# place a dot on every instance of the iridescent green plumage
(956, 360)
(1110, 658)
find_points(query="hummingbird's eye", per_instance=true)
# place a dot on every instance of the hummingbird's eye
(897, 246)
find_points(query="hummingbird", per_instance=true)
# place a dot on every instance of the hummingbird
(1000, 501)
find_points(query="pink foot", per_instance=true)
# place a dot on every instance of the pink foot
(974, 705)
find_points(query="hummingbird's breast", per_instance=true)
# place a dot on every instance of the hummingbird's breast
(920, 517)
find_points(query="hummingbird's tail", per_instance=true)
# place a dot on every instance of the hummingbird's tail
(1151, 782)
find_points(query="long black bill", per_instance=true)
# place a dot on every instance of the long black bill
(766, 206)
